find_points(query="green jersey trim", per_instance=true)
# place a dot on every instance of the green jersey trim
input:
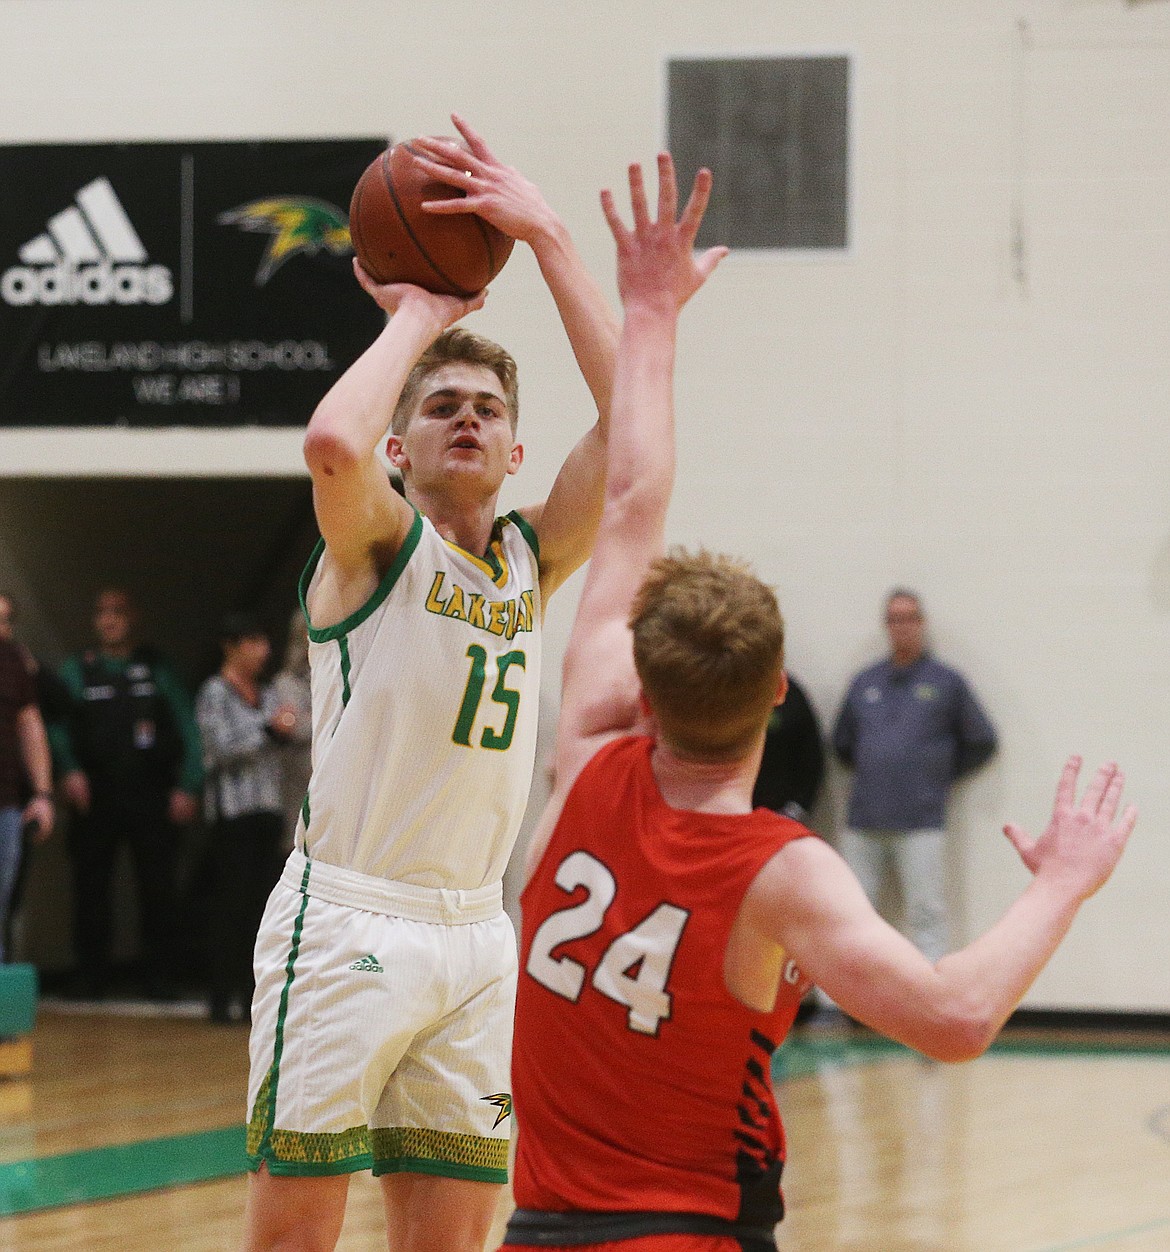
(346, 690)
(524, 526)
(354, 620)
(494, 562)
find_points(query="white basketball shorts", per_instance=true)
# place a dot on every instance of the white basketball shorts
(381, 1028)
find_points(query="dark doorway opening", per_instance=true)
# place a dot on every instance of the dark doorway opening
(188, 550)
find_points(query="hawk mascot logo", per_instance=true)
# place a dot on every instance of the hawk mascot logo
(296, 224)
(502, 1101)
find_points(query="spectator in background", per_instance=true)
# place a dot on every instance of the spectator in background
(25, 766)
(130, 751)
(793, 765)
(909, 727)
(244, 727)
(292, 688)
(35, 828)
(52, 698)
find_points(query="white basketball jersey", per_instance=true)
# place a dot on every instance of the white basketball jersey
(424, 713)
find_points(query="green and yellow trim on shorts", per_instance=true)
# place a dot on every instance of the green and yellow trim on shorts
(392, 1150)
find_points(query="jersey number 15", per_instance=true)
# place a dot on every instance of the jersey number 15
(500, 740)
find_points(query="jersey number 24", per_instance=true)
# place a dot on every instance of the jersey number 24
(651, 946)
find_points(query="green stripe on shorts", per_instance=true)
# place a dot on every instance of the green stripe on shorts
(263, 1120)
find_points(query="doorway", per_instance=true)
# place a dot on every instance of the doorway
(188, 550)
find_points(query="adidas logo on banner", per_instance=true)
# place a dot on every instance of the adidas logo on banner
(90, 253)
(368, 965)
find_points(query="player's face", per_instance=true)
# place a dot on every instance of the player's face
(459, 432)
(6, 618)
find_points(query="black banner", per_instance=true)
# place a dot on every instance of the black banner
(178, 284)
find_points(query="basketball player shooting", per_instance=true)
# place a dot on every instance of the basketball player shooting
(670, 930)
(382, 1020)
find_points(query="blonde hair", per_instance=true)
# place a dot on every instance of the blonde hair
(709, 651)
(459, 345)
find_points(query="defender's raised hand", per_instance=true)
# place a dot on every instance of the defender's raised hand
(656, 260)
(1083, 842)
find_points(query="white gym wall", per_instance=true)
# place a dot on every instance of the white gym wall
(972, 400)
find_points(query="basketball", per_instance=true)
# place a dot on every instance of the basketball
(455, 254)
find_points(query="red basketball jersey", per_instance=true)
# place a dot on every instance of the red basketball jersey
(639, 1082)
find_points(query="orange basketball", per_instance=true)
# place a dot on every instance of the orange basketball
(455, 254)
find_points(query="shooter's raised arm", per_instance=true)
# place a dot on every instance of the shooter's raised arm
(361, 517)
(567, 521)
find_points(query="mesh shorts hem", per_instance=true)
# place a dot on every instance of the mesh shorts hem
(397, 1165)
(308, 1169)
(391, 1150)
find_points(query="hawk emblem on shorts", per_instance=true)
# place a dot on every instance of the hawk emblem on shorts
(503, 1101)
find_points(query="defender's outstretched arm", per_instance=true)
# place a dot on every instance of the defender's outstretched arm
(658, 272)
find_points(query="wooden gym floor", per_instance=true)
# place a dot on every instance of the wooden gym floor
(127, 1136)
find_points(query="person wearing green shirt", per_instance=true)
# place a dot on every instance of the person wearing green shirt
(132, 768)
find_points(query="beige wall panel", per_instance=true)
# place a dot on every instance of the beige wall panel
(972, 400)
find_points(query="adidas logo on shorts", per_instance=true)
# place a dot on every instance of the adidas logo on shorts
(368, 964)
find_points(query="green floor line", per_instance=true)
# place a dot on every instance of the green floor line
(802, 1055)
(124, 1169)
(180, 1160)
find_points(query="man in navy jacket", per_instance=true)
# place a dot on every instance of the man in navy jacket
(909, 727)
